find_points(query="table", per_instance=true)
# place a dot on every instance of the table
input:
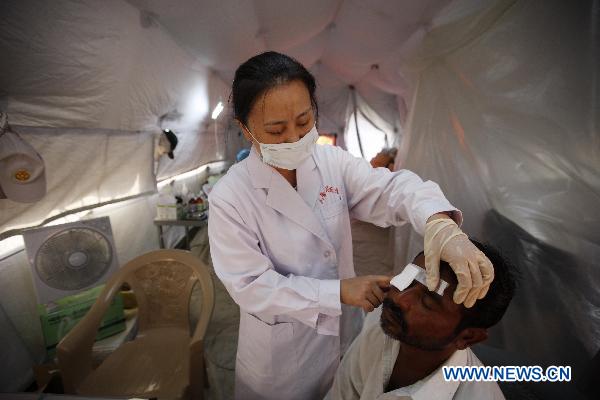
(186, 223)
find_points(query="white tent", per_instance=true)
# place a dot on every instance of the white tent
(496, 100)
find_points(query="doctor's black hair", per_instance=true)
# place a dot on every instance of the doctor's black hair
(263, 72)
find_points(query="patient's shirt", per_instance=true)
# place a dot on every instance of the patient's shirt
(367, 366)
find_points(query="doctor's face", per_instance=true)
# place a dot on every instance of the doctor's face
(283, 114)
(421, 318)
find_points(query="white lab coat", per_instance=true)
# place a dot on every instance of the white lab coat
(281, 254)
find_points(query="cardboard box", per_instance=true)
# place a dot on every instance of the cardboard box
(60, 317)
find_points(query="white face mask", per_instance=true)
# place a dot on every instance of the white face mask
(288, 155)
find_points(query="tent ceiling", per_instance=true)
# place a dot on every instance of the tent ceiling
(343, 42)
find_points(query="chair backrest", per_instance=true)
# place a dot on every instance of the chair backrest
(162, 281)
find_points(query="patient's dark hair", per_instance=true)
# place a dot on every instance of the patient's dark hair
(263, 72)
(488, 311)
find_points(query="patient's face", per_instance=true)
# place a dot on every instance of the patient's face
(421, 318)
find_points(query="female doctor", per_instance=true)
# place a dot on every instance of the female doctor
(279, 231)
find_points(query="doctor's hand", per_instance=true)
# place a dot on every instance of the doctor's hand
(364, 291)
(474, 271)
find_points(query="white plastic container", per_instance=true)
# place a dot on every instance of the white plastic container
(166, 208)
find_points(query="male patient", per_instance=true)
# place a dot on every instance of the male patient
(420, 332)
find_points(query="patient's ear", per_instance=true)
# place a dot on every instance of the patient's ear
(470, 336)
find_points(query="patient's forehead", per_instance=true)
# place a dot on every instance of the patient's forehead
(446, 274)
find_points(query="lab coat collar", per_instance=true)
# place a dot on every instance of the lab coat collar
(283, 198)
(308, 181)
(260, 173)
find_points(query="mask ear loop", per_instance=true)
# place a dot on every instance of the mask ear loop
(248, 130)
(255, 139)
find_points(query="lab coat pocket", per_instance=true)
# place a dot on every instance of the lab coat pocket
(332, 209)
(265, 349)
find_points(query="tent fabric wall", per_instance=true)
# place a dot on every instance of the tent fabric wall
(14, 354)
(83, 168)
(90, 91)
(343, 43)
(202, 143)
(326, 36)
(17, 297)
(505, 119)
(88, 64)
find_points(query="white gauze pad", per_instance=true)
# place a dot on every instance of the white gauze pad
(413, 272)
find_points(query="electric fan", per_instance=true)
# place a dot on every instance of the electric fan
(70, 258)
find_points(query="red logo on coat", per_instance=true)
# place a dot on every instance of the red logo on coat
(328, 190)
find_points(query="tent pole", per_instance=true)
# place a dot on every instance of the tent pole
(356, 121)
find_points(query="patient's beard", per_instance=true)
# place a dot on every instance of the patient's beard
(402, 335)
